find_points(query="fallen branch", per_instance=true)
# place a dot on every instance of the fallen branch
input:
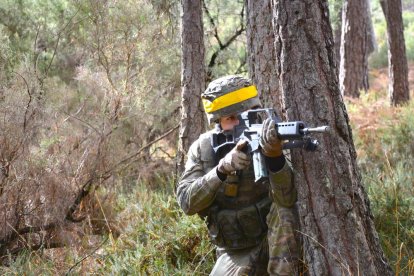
(19, 234)
(87, 256)
(108, 173)
(144, 148)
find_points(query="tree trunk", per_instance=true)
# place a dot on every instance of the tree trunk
(356, 45)
(336, 220)
(397, 59)
(261, 53)
(192, 77)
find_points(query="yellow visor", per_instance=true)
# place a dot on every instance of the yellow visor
(230, 99)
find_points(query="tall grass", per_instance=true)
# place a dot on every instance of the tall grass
(385, 145)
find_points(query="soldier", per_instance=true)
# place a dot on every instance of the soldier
(251, 224)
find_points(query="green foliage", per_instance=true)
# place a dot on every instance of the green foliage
(82, 92)
(379, 58)
(158, 239)
(386, 154)
(228, 17)
(335, 6)
(29, 263)
(36, 29)
(408, 17)
(92, 65)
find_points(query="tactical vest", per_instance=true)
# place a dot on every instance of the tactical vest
(237, 217)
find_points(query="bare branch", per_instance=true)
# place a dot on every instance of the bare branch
(19, 234)
(226, 44)
(87, 256)
(58, 40)
(129, 158)
(212, 23)
(30, 100)
(86, 188)
(241, 68)
(84, 122)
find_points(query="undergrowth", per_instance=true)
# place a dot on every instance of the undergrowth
(384, 139)
(156, 238)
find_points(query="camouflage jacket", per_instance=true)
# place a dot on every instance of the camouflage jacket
(234, 221)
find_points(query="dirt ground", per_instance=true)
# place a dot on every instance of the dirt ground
(379, 79)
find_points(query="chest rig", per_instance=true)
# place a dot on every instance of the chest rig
(237, 217)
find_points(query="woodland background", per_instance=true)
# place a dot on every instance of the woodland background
(90, 97)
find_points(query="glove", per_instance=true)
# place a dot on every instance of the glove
(270, 143)
(234, 160)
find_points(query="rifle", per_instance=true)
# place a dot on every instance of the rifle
(296, 133)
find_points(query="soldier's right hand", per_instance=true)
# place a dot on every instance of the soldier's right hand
(234, 160)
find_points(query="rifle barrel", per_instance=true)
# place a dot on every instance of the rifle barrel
(320, 129)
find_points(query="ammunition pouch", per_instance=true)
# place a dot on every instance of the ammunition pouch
(240, 228)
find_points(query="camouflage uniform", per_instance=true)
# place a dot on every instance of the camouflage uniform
(254, 230)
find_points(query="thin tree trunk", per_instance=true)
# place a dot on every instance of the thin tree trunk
(192, 77)
(335, 216)
(397, 59)
(261, 53)
(356, 45)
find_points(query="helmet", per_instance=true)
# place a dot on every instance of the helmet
(229, 95)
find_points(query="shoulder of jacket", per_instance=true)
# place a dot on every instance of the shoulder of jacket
(203, 141)
(206, 149)
(204, 138)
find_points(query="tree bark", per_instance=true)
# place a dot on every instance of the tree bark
(336, 220)
(357, 42)
(261, 53)
(397, 60)
(192, 77)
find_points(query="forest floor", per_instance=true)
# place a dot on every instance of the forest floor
(376, 100)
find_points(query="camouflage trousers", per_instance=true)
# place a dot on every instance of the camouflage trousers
(283, 241)
(249, 261)
(277, 254)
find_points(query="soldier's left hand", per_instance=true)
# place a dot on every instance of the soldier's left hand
(270, 143)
